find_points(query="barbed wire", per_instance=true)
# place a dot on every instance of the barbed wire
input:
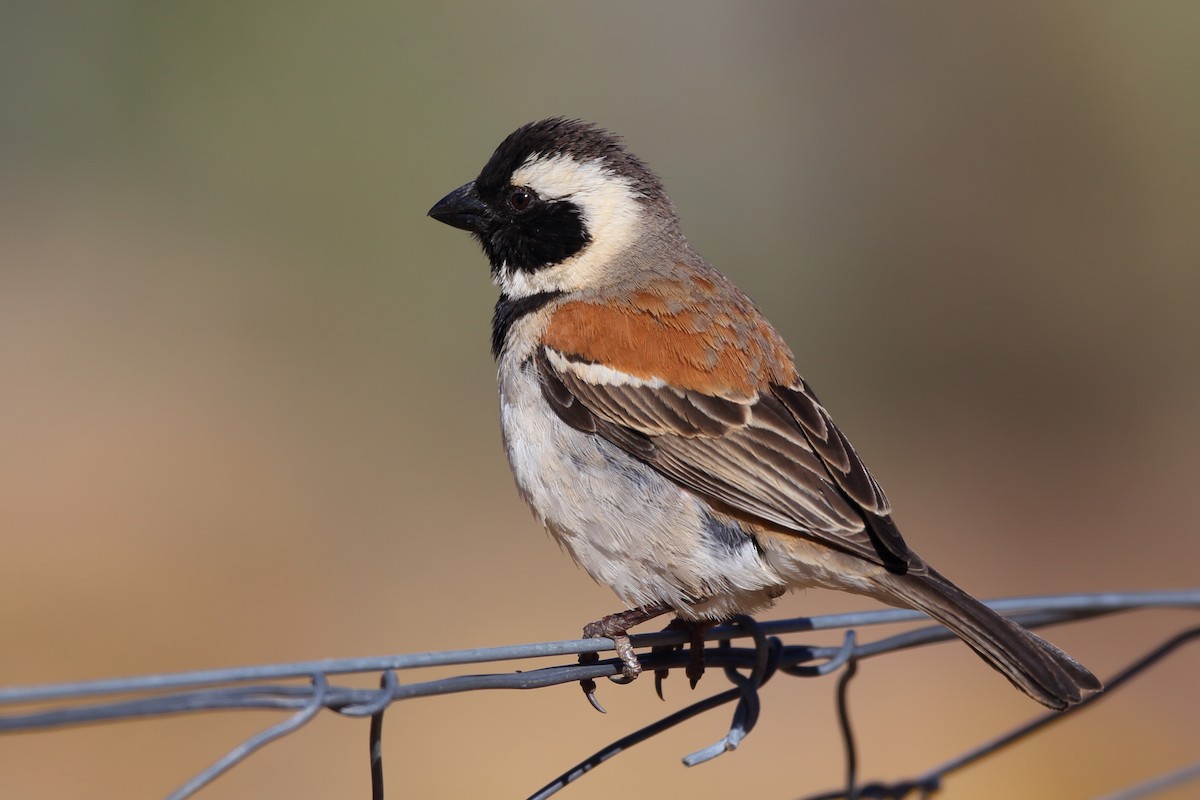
(747, 668)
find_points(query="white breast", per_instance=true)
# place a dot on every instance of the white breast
(627, 525)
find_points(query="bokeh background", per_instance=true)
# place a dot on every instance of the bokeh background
(247, 409)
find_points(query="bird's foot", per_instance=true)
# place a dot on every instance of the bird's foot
(616, 627)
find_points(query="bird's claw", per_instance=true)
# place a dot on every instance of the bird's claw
(661, 673)
(589, 691)
(587, 684)
(695, 666)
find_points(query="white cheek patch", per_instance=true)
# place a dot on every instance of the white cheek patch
(611, 211)
(599, 374)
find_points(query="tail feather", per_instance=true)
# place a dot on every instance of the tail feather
(1034, 666)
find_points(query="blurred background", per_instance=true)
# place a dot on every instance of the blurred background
(248, 413)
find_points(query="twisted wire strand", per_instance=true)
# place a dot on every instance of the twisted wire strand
(747, 668)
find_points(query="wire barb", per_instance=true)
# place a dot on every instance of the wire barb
(745, 716)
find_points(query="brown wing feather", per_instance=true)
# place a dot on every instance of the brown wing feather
(847, 470)
(788, 468)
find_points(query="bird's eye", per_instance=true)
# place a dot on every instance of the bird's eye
(520, 198)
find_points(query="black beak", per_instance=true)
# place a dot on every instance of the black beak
(463, 209)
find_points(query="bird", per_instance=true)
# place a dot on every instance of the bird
(657, 426)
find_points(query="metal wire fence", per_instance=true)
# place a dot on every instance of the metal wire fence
(747, 668)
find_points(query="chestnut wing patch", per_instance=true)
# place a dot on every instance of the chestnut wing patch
(753, 456)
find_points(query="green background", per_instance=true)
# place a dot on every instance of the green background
(248, 414)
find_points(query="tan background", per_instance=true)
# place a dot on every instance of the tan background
(247, 410)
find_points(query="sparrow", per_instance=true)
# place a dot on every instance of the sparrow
(656, 425)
